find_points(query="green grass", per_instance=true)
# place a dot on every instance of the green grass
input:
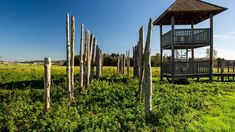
(110, 103)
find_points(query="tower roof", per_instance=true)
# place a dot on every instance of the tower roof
(188, 12)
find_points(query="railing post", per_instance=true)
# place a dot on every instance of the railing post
(218, 65)
(222, 69)
(233, 68)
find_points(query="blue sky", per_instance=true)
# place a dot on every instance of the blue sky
(34, 29)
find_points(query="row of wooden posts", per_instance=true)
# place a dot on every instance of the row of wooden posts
(122, 62)
(90, 57)
(93, 56)
(141, 67)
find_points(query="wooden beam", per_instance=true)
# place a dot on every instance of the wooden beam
(172, 47)
(192, 35)
(211, 47)
(161, 52)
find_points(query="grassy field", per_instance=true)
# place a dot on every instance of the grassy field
(110, 103)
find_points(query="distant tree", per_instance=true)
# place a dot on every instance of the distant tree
(155, 60)
(215, 53)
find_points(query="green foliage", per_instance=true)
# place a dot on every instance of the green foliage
(109, 104)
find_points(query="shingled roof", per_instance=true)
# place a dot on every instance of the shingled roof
(188, 11)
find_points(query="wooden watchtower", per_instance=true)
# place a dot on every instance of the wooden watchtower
(187, 12)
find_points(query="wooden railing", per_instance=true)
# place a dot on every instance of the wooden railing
(187, 37)
(225, 67)
(187, 67)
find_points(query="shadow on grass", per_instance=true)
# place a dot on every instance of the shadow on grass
(114, 79)
(38, 84)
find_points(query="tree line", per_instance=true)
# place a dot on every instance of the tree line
(112, 59)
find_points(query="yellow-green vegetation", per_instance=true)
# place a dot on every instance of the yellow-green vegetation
(110, 103)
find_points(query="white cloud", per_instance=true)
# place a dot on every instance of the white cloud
(225, 45)
(230, 36)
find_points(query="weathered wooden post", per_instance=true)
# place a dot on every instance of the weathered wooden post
(68, 58)
(137, 60)
(72, 53)
(123, 62)
(89, 59)
(147, 83)
(128, 63)
(118, 65)
(81, 56)
(141, 48)
(86, 58)
(134, 62)
(47, 82)
(93, 58)
(98, 61)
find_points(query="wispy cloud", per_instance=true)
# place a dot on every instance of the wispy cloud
(229, 36)
(225, 45)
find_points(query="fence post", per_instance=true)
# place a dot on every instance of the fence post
(47, 82)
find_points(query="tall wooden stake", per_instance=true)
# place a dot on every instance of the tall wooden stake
(128, 63)
(147, 84)
(72, 53)
(47, 82)
(89, 59)
(68, 68)
(81, 56)
(93, 57)
(141, 52)
(118, 65)
(98, 61)
(123, 62)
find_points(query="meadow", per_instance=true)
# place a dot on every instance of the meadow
(110, 103)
